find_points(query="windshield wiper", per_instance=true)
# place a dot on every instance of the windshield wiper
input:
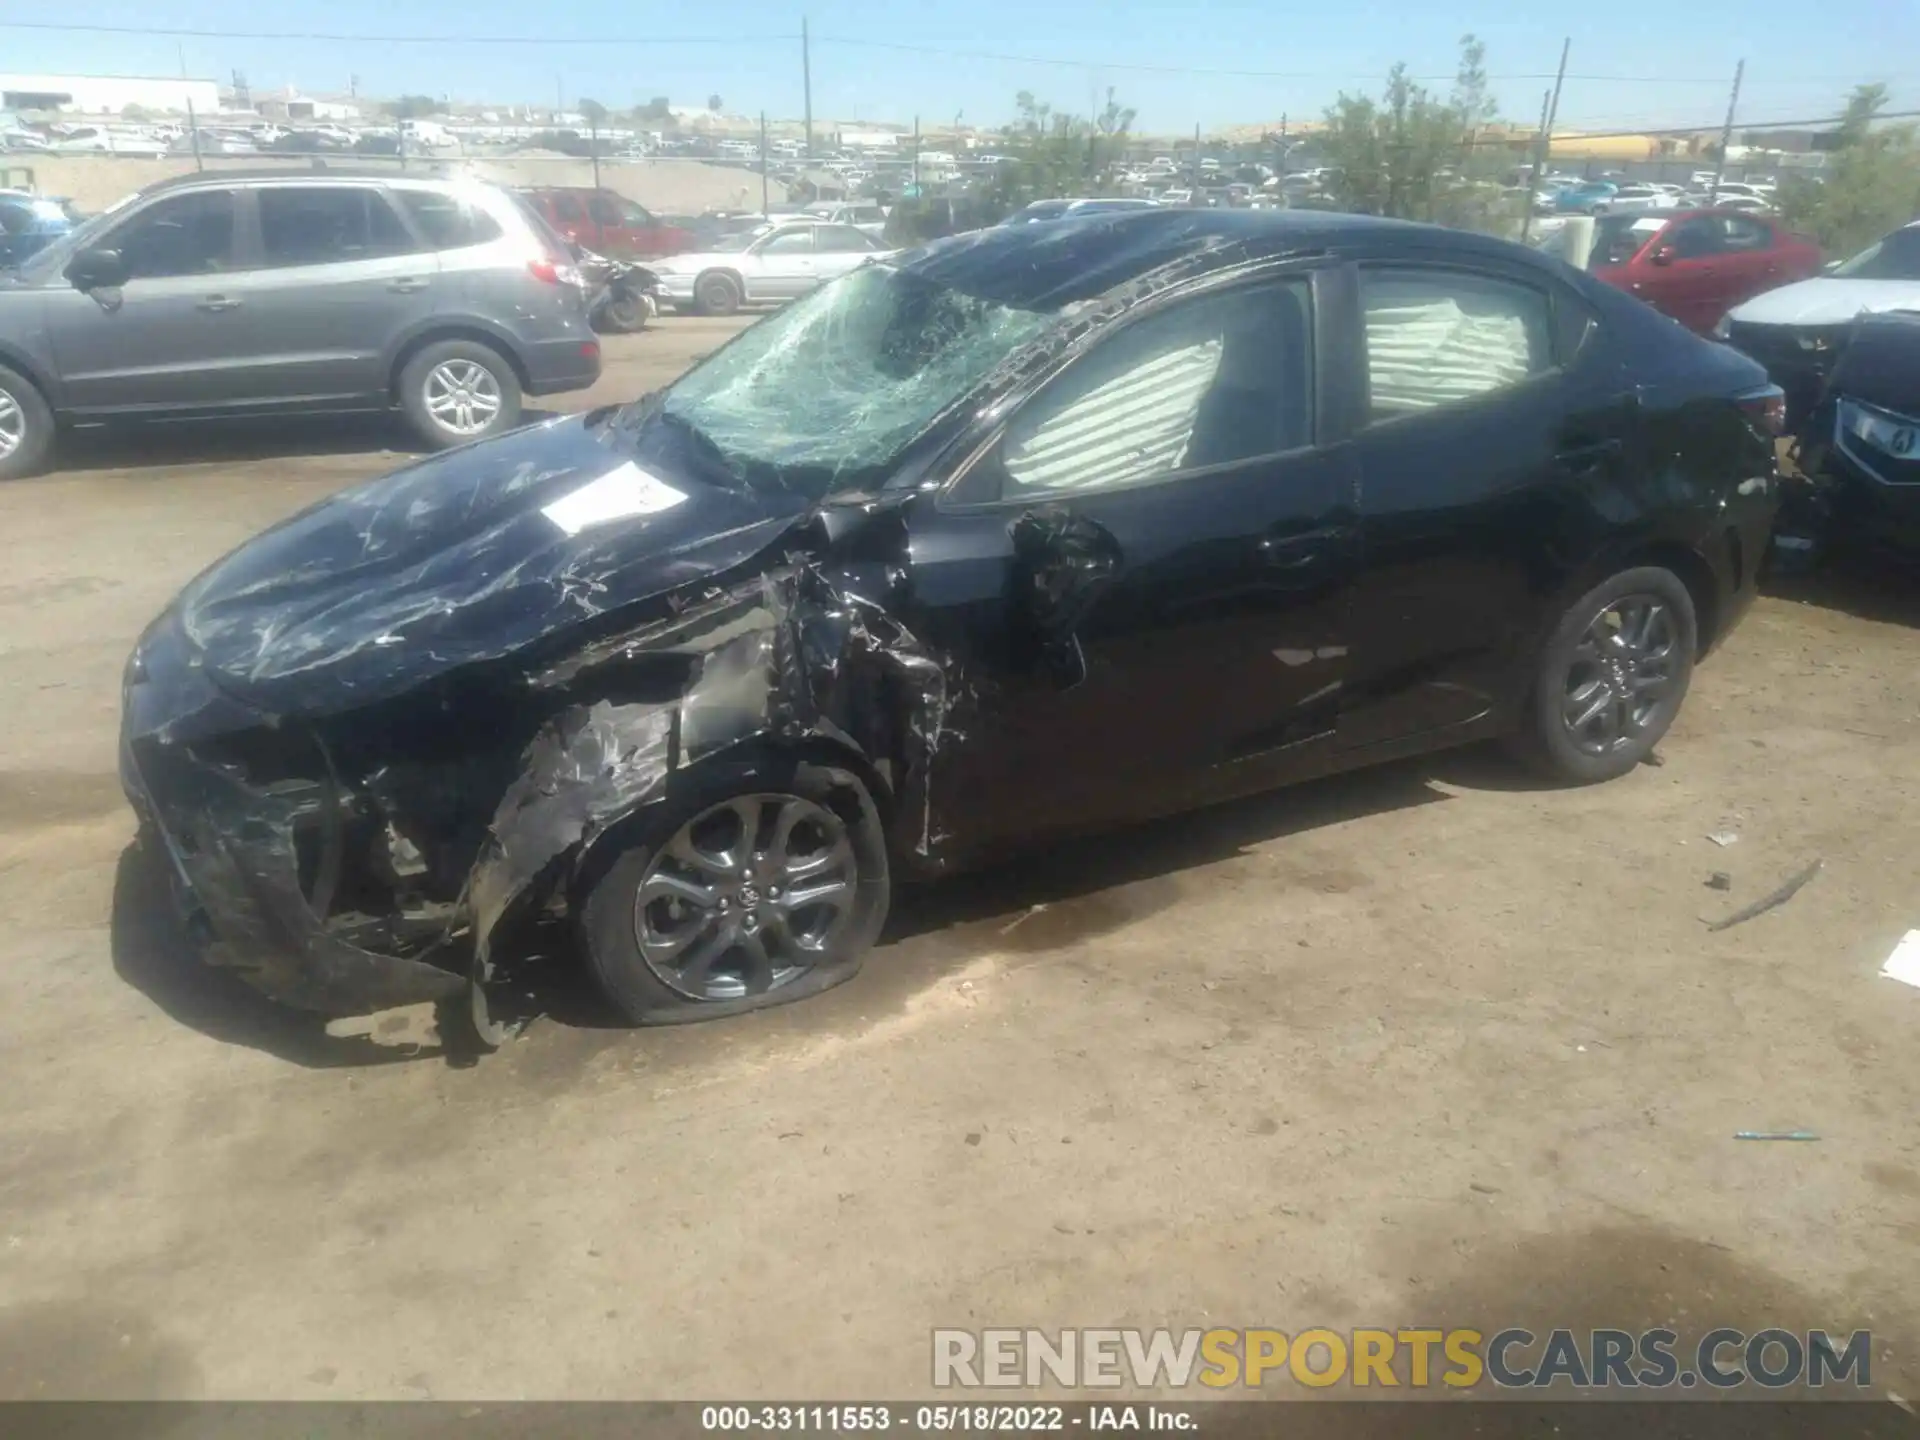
(702, 442)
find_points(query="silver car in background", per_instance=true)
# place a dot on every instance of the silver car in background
(774, 263)
(215, 295)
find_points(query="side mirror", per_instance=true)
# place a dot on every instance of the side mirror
(1663, 256)
(97, 270)
(1063, 563)
(1831, 266)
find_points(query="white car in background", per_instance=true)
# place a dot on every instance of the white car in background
(100, 140)
(867, 215)
(774, 264)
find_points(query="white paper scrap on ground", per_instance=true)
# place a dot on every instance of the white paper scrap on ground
(1904, 964)
(621, 493)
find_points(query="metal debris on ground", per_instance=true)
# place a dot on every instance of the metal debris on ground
(1719, 880)
(1724, 838)
(1771, 900)
(1774, 1135)
(1904, 963)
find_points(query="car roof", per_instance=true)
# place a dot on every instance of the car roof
(1043, 267)
(387, 174)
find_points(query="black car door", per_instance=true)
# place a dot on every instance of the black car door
(1145, 572)
(1495, 432)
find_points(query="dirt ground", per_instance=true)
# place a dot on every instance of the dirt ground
(1426, 1045)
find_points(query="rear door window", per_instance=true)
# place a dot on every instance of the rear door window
(1743, 233)
(449, 222)
(328, 225)
(568, 210)
(1443, 337)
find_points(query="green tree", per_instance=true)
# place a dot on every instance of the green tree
(1052, 153)
(412, 107)
(593, 111)
(1871, 186)
(1414, 156)
(657, 110)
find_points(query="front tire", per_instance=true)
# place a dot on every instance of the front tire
(1611, 678)
(718, 293)
(26, 426)
(459, 390)
(757, 882)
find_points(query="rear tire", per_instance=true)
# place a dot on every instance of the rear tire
(455, 391)
(648, 949)
(718, 293)
(1622, 658)
(26, 426)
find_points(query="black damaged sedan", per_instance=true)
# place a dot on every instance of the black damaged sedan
(1034, 530)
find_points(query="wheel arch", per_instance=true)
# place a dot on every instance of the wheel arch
(475, 331)
(23, 365)
(1703, 585)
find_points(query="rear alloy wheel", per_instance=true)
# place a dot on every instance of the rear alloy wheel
(718, 294)
(459, 390)
(26, 426)
(1613, 677)
(758, 894)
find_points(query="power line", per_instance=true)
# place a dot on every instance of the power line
(180, 32)
(944, 52)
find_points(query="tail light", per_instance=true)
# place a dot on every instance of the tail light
(554, 272)
(1767, 409)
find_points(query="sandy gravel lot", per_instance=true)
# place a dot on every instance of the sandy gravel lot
(1423, 1045)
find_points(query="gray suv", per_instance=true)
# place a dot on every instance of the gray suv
(264, 293)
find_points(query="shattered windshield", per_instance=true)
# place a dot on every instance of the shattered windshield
(821, 396)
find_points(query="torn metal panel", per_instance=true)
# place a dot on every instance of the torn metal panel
(784, 657)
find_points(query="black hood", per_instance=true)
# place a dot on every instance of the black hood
(456, 560)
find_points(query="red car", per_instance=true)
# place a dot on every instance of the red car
(609, 223)
(1696, 265)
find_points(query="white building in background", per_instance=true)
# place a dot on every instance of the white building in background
(107, 94)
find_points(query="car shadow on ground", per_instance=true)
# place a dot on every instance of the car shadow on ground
(1868, 587)
(153, 952)
(1047, 899)
(232, 442)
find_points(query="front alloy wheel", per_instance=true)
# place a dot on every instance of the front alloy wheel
(758, 880)
(746, 897)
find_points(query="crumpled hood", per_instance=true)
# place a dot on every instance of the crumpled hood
(1827, 300)
(466, 556)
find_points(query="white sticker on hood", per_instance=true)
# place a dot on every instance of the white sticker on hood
(619, 494)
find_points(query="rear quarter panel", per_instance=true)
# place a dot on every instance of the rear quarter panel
(1705, 477)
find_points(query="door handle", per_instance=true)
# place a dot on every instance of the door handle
(411, 285)
(1299, 549)
(1582, 458)
(218, 303)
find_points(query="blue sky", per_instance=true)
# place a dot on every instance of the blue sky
(1634, 63)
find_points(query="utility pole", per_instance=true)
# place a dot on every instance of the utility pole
(765, 204)
(916, 155)
(1533, 171)
(1726, 135)
(1552, 118)
(193, 133)
(806, 81)
(1194, 193)
(593, 145)
(559, 99)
